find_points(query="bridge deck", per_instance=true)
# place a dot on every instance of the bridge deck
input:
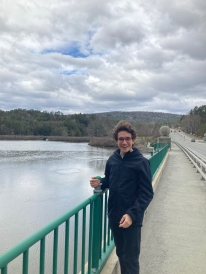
(174, 230)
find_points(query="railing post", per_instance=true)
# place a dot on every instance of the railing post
(25, 269)
(4, 270)
(96, 237)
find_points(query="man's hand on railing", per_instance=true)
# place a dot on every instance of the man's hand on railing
(94, 182)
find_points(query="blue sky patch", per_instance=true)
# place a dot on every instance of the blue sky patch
(70, 72)
(74, 50)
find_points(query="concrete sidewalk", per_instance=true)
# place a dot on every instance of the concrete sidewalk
(174, 229)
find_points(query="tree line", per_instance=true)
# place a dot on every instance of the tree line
(34, 122)
(38, 123)
(195, 121)
(43, 123)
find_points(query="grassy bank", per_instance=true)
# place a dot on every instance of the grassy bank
(109, 142)
(102, 142)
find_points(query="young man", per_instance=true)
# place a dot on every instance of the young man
(128, 177)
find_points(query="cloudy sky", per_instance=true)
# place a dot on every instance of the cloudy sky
(94, 56)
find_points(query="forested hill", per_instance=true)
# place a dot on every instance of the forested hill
(35, 122)
(144, 116)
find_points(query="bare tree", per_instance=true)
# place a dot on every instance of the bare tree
(191, 123)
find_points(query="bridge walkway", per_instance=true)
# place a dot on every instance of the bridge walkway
(174, 229)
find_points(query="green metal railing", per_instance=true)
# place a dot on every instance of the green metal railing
(157, 156)
(158, 146)
(91, 242)
(79, 241)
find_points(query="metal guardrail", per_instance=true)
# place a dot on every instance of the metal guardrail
(92, 249)
(79, 241)
(157, 156)
(198, 160)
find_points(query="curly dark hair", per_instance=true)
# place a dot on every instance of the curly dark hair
(124, 126)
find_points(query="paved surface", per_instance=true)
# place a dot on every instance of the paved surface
(174, 230)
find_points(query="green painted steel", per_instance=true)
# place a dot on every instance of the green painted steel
(105, 224)
(4, 270)
(157, 156)
(55, 250)
(76, 224)
(91, 238)
(42, 256)
(90, 251)
(66, 248)
(25, 262)
(96, 235)
(83, 240)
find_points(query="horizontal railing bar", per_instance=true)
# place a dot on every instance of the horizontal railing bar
(193, 152)
(200, 158)
(193, 156)
(20, 248)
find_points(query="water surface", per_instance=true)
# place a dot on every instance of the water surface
(40, 180)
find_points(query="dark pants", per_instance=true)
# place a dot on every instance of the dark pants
(127, 241)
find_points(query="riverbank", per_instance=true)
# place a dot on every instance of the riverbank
(109, 142)
(70, 139)
(106, 142)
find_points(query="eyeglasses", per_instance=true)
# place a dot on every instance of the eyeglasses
(121, 139)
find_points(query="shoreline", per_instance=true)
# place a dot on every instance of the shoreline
(44, 138)
(106, 142)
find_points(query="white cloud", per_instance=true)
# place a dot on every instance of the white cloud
(89, 56)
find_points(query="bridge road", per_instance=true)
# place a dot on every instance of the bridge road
(174, 229)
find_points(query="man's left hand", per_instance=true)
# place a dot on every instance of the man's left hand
(125, 221)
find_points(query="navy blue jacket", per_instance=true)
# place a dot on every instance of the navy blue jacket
(130, 185)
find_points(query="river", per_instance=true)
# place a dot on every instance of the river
(40, 180)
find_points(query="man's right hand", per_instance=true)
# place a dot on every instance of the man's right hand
(94, 182)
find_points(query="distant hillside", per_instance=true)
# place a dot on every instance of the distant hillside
(37, 123)
(143, 116)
